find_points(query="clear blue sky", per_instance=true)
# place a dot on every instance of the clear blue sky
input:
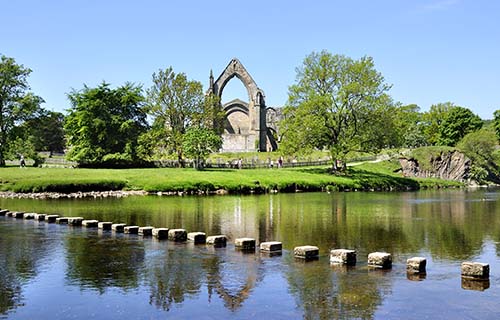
(430, 50)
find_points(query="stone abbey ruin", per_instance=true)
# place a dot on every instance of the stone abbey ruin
(249, 126)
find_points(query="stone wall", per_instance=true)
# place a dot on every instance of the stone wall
(239, 142)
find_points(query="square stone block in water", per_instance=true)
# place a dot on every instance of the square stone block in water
(197, 237)
(90, 223)
(18, 215)
(219, 240)
(62, 220)
(271, 246)
(177, 235)
(306, 252)
(475, 270)
(9, 213)
(131, 229)
(416, 265)
(75, 221)
(104, 225)
(160, 233)
(146, 231)
(51, 218)
(118, 227)
(245, 243)
(3, 212)
(343, 256)
(40, 216)
(381, 260)
(29, 216)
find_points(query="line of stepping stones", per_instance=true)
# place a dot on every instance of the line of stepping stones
(382, 260)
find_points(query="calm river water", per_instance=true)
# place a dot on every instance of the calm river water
(50, 271)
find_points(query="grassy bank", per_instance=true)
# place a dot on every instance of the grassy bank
(362, 177)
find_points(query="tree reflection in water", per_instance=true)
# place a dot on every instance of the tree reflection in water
(99, 262)
(21, 253)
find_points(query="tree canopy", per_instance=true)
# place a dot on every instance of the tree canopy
(103, 125)
(175, 105)
(337, 103)
(457, 123)
(17, 105)
(198, 143)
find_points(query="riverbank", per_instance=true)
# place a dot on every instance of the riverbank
(79, 182)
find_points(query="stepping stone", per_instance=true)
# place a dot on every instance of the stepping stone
(416, 265)
(271, 246)
(29, 216)
(104, 225)
(62, 220)
(245, 243)
(306, 252)
(177, 235)
(51, 218)
(160, 233)
(18, 215)
(475, 270)
(118, 227)
(343, 256)
(9, 213)
(219, 240)
(40, 216)
(90, 223)
(75, 221)
(146, 231)
(197, 237)
(382, 260)
(3, 212)
(131, 229)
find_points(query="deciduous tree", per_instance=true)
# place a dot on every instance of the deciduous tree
(198, 143)
(458, 122)
(103, 125)
(17, 104)
(337, 103)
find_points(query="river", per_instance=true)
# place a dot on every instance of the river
(52, 271)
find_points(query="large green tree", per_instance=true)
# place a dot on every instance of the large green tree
(458, 122)
(433, 119)
(339, 104)
(496, 123)
(46, 131)
(198, 143)
(17, 104)
(177, 104)
(103, 125)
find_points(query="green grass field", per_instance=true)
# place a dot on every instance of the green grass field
(363, 177)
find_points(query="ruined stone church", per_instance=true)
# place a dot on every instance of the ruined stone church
(249, 125)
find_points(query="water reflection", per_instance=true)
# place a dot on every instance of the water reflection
(446, 226)
(100, 262)
(21, 253)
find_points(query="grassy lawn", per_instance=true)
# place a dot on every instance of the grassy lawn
(366, 176)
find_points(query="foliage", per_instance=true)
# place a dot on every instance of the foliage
(480, 147)
(198, 143)
(496, 123)
(25, 147)
(17, 104)
(409, 127)
(336, 103)
(47, 131)
(104, 124)
(458, 122)
(175, 103)
(423, 155)
(433, 119)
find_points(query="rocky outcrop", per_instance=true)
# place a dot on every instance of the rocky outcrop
(448, 165)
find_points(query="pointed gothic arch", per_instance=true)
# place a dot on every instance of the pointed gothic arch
(256, 137)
